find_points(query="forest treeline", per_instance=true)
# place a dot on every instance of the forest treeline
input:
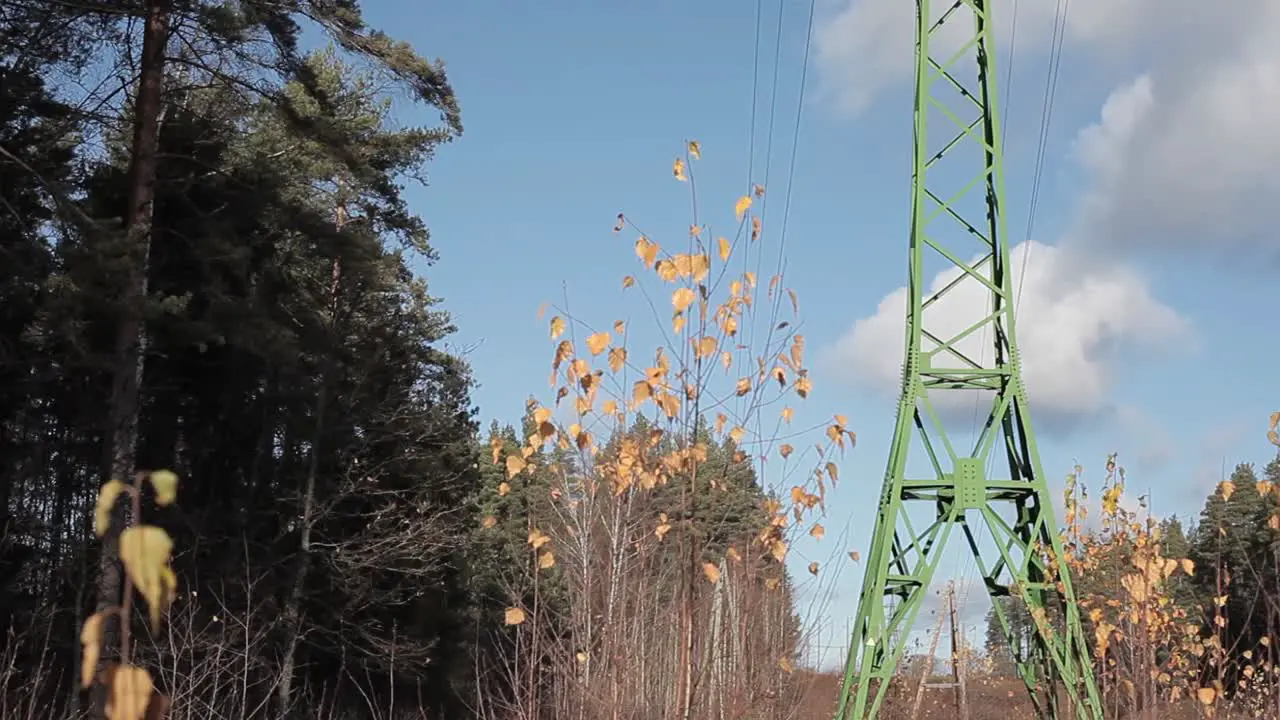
(207, 265)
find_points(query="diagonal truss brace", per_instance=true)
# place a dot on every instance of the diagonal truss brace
(960, 490)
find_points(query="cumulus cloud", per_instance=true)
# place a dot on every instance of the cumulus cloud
(867, 46)
(1075, 322)
(1183, 150)
(1185, 155)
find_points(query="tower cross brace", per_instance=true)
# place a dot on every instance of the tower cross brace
(920, 509)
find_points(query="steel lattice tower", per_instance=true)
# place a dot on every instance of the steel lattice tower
(960, 486)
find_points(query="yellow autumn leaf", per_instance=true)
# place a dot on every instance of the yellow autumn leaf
(1188, 566)
(778, 550)
(742, 206)
(695, 150)
(813, 568)
(743, 387)
(786, 666)
(165, 484)
(129, 693)
(787, 414)
(91, 648)
(628, 281)
(667, 270)
(557, 327)
(725, 248)
(597, 342)
(712, 571)
(503, 489)
(1227, 488)
(617, 358)
(678, 323)
(489, 522)
(737, 433)
(682, 298)
(537, 539)
(677, 169)
(699, 266)
(706, 347)
(107, 498)
(669, 403)
(818, 532)
(610, 407)
(513, 616)
(515, 464)
(803, 386)
(144, 550)
(785, 451)
(647, 251)
(1206, 695)
(546, 560)
(663, 527)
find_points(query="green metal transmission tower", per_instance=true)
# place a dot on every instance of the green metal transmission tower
(957, 214)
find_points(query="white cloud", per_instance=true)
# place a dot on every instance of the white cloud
(1184, 150)
(1185, 155)
(866, 46)
(1075, 322)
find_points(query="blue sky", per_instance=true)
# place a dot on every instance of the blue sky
(1157, 259)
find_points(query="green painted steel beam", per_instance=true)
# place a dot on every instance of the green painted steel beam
(998, 484)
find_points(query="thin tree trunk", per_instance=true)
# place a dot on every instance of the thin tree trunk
(293, 615)
(130, 340)
(957, 672)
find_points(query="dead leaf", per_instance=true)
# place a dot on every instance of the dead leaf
(813, 568)
(107, 498)
(489, 522)
(513, 616)
(712, 571)
(677, 169)
(818, 532)
(597, 342)
(91, 647)
(515, 464)
(557, 327)
(129, 693)
(144, 550)
(546, 560)
(617, 358)
(695, 150)
(682, 298)
(165, 484)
